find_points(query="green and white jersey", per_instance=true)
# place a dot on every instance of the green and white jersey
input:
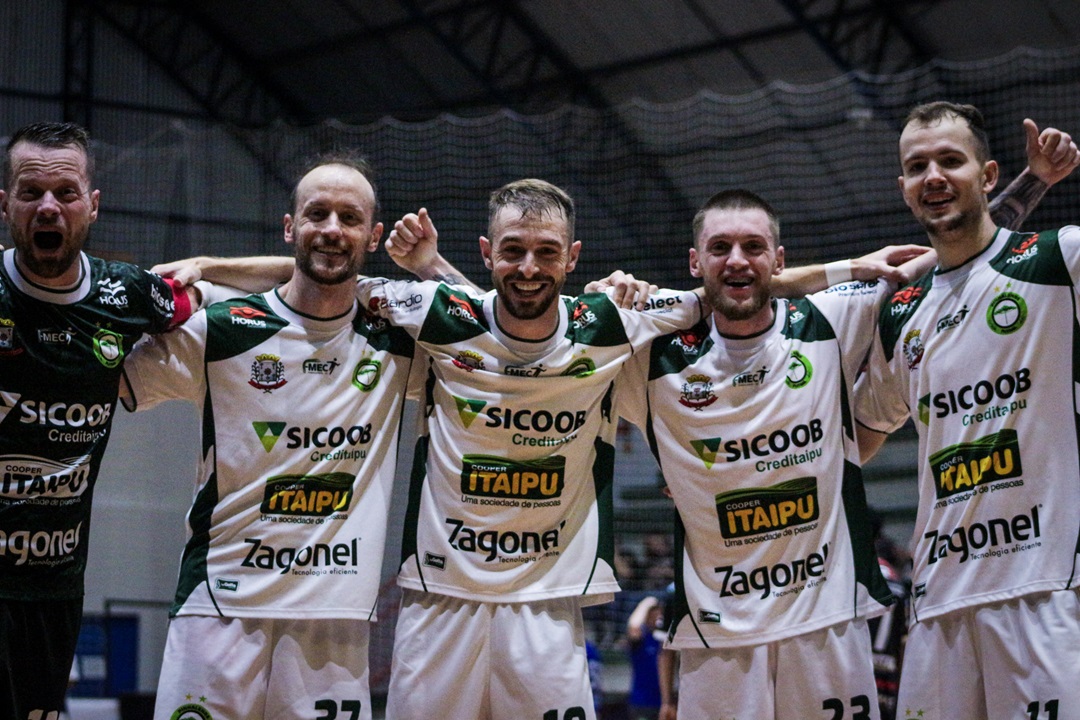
(511, 497)
(300, 422)
(61, 354)
(754, 437)
(984, 359)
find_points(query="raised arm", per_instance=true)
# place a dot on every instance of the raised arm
(414, 246)
(251, 274)
(892, 262)
(1052, 156)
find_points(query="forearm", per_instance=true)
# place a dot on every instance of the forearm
(441, 270)
(796, 282)
(251, 274)
(1013, 205)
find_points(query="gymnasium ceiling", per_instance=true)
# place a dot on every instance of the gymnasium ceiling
(357, 60)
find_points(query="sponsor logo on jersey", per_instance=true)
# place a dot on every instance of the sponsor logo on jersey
(712, 450)
(913, 348)
(267, 373)
(8, 402)
(697, 392)
(319, 438)
(689, 341)
(230, 585)
(432, 560)
(413, 302)
(710, 617)
(795, 315)
(247, 317)
(967, 466)
(268, 433)
(799, 371)
(752, 511)
(524, 370)
(997, 534)
(318, 559)
(854, 287)
(951, 320)
(373, 323)
(366, 374)
(55, 337)
(40, 547)
(582, 317)
(191, 711)
(315, 366)
(319, 495)
(1024, 251)
(469, 360)
(108, 348)
(982, 393)
(662, 305)
(1007, 313)
(163, 303)
(7, 338)
(461, 309)
(580, 367)
(468, 409)
(508, 546)
(489, 476)
(529, 420)
(750, 377)
(902, 302)
(28, 476)
(112, 293)
(801, 574)
(60, 414)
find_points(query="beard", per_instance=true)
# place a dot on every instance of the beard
(531, 308)
(32, 253)
(307, 263)
(737, 309)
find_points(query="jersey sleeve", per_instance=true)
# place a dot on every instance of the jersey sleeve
(880, 399)
(631, 387)
(169, 366)
(405, 303)
(1069, 242)
(166, 301)
(666, 312)
(852, 309)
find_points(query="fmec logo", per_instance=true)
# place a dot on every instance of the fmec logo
(751, 377)
(960, 468)
(492, 476)
(315, 366)
(318, 495)
(951, 320)
(751, 511)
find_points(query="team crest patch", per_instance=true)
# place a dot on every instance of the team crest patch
(469, 360)
(697, 392)
(1007, 312)
(7, 338)
(799, 372)
(108, 348)
(192, 711)
(581, 367)
(366, 375)
(267, 372)
(913, 348)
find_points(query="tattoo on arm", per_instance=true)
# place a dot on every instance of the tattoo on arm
(1011, 208)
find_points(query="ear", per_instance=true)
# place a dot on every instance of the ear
(575, 250)
(695, 266)
(95, 199)
(376, 234)
(779, 267)
(289, 229)
(3, 206)
(991, 173)
(485, 251)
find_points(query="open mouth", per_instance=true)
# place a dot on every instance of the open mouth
(48, 240)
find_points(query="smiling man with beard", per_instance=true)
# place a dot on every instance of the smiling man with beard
(67, 323)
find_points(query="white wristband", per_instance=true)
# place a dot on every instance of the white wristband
(837, 272)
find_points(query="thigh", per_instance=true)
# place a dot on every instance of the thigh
(441, 664)
(319, 670)
(827, 674)
(37, 643)
(726, 683)
(215, 667)
(941, 675)
(540, 670)
(1030, 649)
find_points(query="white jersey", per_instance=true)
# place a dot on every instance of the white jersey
(984, 359)
(300, 422)
(754, 437)
(511, 497)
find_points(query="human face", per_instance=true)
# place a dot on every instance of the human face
(736, 256)
(49, 209)
(332, 229)
(529, 258)
(943, 181)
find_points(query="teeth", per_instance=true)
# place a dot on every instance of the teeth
(528, 287)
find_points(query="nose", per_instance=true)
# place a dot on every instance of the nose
(528, 266)
(332, 227)
(737, 257)
(934, 174)
(48, 206)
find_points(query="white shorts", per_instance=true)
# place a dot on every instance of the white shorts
(470, 660)
(806, 676)
(256, 669)
(1017, 659)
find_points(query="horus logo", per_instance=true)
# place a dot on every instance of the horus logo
(913, 348)
(582, 316)
(108, 348)
(1024, 251)
(751, 511)
(267, 372)
(491, 476)
(366, 375)
(112, 293)
(468, 409)
(795, 315)
(799, 371)
(461, 309)
(689, 340)
(697, 392)
(962, 467)
(1007, 313)
(581, 367)
(247, 316)
(468, 361)
(903, 301)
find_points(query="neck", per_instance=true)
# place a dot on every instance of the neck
(539, 328)
(69, 278)
(305, 295)
(758, 323)
(956, 247)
